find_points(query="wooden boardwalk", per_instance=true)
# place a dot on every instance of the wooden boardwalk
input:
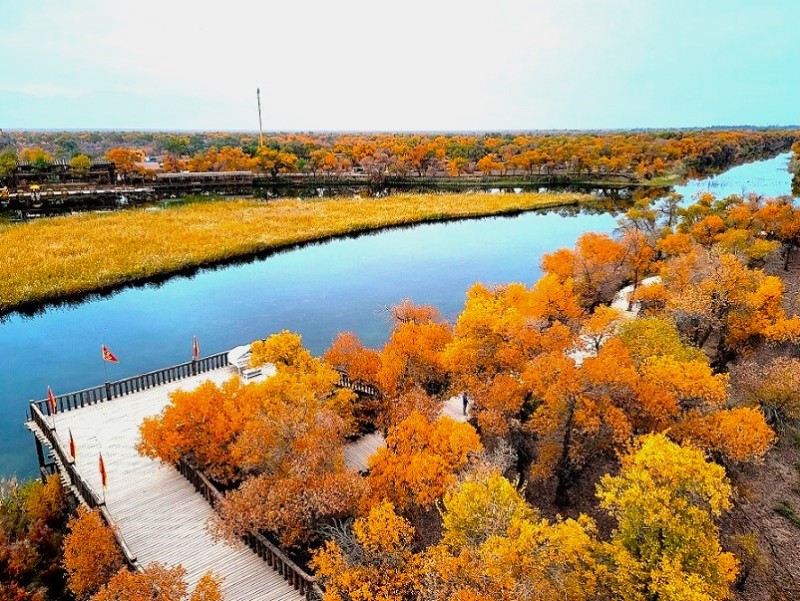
(159, 515)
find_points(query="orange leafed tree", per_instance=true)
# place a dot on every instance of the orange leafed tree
(421, 460)
(713, 293)
(374, 561)
(158, 583)
(91, 554)
(597, 266)
(125, 160)
(413, 358)
(202, 425)
(498, 332)
(292, 448)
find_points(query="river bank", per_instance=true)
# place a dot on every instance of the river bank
(64, 258)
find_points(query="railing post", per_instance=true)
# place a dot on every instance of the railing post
(194, 366)
(39, 455)
(108, 390)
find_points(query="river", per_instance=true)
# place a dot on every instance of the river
(317, 290)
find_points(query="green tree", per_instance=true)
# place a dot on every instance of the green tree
(8, 163)
(80, 165)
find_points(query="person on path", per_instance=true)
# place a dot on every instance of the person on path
(465, 400)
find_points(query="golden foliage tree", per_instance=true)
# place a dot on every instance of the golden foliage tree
(91, 554)
(666, 544)
(374, 562)
(31, 525)
(421, 460)
(597, 265)
(80, 165)
(292, 448)
(125, 160)
(202, 425)
(496, 547)
(158, 583)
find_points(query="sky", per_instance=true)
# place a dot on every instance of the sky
(415, 65)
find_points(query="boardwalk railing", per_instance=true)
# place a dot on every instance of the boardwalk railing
(303, 582)
(159, 377)
(120, 388)
(81, 488)
(356, 385)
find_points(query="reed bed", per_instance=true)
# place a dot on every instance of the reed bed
(66, 257)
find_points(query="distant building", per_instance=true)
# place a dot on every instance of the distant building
(60, 172)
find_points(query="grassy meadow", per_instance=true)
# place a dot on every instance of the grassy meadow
(62, 257)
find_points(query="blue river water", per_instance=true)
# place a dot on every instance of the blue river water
(318, 291)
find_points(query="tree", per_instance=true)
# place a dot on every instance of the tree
(713, 293)
(8, 164)
(774, 387)
(292, 448)
(373, 561)
(483, 506)
(456, 166)
(421, 460)
(666, 544)
(80, 165)
(597, 267)
(580, 411)
(158, 583)
(348, 354)
(275, 161)
(202, 425)
(495, 336)
(489, 164)
(37, 157)
(600, 326)
(225, 158)
(413, 358)
(172, 164)
(125, 160)
(647, 337)
(495, 546)
(91, 553)
(31, 535)
(736, 435)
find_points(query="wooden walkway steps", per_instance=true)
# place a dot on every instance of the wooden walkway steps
(157, 511)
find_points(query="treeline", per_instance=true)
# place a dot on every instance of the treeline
(666, 386)
(643, 155)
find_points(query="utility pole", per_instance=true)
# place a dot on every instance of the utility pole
(260, 130)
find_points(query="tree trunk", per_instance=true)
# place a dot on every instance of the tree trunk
(564, 469)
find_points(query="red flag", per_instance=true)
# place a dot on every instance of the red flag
(51, 400)
(108, 355)
(102, 466)
(195, 348)
(71, 445)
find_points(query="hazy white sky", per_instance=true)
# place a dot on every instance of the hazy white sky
(411, 65)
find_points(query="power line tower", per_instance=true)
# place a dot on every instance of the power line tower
(260, 130)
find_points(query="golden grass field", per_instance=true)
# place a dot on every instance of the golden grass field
(62, 257)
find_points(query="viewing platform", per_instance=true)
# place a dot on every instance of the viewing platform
(155, 509)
